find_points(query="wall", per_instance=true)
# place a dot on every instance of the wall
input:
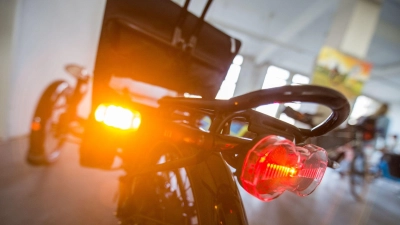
(48, 35)
(8, 11)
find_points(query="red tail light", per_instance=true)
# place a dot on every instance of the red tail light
(275, 165)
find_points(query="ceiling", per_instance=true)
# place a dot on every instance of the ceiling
(290, 34)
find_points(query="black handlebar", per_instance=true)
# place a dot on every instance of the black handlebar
(240, 106)
(336, 101)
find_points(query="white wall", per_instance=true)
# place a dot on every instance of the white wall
(8, 11)
(48, 35)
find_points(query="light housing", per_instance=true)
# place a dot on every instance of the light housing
(118, 117)
(275, 165)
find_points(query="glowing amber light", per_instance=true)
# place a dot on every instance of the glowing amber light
(118, 117)
(136, 122)
(274, 171)
(35, 126)
(100, 113)
(278, 170)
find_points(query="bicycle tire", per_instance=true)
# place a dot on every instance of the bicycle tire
(45, 140)
(210, 181)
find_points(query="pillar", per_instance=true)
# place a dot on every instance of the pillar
(352, 30)
(354, 26)
(251, 76)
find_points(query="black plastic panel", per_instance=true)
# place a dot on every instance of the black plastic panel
(137, 42)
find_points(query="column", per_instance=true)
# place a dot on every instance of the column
(251, 76)
(354, 26)
(352, 30)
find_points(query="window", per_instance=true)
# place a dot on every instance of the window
(297, 79)
(300, 79)
(363, 106)
(228, 86)
(277, 77)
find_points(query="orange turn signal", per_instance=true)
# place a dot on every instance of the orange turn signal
(118, 117)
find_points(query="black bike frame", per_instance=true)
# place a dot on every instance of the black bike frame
(159, 43)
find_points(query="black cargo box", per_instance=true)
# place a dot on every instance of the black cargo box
(137, 41)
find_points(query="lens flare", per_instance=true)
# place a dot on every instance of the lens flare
(118, 117)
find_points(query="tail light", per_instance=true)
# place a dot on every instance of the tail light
(118, 117)
(275, 165)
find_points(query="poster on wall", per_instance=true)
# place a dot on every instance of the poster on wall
(341, 72)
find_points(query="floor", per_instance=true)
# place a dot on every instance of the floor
(66, 193)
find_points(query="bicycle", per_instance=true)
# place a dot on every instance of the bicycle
(355, 162)
(177, 169)
(362, 172)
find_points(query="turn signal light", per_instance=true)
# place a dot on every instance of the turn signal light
(118, 117)
(275, 165)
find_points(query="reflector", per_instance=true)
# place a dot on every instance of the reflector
(35, 126)
(275, 165)
(118, 117)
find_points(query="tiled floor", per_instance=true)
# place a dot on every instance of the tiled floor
(66, 193)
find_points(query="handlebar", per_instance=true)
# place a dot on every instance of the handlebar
(334, 100)
(241, 106)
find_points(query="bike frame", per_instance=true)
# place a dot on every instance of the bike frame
(182, 59)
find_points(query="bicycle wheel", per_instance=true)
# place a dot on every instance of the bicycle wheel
(159, 198)
(359, 177)
(47, 134)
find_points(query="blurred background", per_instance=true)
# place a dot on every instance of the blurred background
(282, 44)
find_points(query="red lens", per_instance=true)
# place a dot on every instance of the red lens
(314, 161)
(275, 165)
